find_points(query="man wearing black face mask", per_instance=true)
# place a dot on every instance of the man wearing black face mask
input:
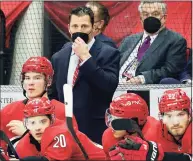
(91, 67)
(101, 20)
(157, 53)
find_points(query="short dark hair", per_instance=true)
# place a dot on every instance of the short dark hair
(82, 11)
(103, 12)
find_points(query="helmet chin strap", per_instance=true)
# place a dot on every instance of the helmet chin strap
(45, 89)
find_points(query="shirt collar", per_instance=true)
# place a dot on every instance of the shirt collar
(146, 35)
(90, 44)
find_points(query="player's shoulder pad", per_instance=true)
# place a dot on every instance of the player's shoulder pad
(12, 106)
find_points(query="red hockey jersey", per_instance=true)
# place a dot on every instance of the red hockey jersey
(168, 142)
(152, 131)
(58, 144)
(14, 111)
(108, 140)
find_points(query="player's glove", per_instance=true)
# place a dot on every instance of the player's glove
(134, 148)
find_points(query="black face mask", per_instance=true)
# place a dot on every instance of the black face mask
(151, 24)
(83, 36)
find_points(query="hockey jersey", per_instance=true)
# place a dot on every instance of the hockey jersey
(58, 144)
(14, 111)
(169, 144)
(108, 140)
(153, 131)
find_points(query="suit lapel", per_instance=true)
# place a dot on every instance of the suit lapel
(131, 47)
(156, 43)
(65, 62)
(94, 51)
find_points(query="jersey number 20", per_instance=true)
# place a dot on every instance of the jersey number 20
(60, 141)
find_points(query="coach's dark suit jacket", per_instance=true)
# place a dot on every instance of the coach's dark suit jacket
(166, 57)
(105, 39)
(94, 87)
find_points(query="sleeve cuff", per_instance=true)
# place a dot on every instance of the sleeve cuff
(84, 61)
(142, 78)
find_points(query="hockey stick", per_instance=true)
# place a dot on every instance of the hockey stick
(68, 99)
(4, 137)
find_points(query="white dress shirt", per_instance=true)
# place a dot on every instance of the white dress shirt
(74, 59)
(133, 57)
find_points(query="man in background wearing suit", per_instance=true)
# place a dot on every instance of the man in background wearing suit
(157, 53)
(92, 68)
(101, 20)
(186, 76)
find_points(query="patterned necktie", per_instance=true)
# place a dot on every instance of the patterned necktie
(142, 49)
(76, 73)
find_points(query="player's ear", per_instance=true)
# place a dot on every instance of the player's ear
(189, 118)
(69, 29)
(49, 84)
(102, 23)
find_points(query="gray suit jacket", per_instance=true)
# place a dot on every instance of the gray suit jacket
(166, 57)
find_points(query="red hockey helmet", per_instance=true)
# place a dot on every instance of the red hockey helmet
(38, 107)
(128, 106)
(175, 99)
(39, 64)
